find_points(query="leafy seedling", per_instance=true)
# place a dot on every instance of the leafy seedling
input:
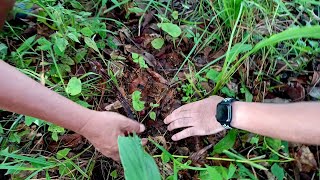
(139, 60)
(175, 15)
(170, 28)
(74, 86)
(153, 115)
(157, 43)
(138, 105)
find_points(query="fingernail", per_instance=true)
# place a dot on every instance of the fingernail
(142, 128)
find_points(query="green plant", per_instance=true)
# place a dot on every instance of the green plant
(141, 165)
(170, 28)
(138, 105)
(139, 60)
(157, 43)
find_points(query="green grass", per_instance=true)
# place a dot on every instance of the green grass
(254, 36)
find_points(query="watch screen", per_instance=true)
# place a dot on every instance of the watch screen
(222, 112)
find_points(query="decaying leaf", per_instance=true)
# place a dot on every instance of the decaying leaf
(305, 159)
(114, 106)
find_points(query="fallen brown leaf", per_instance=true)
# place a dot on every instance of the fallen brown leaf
(305, 159)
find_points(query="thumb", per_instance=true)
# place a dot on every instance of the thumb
(131, 126)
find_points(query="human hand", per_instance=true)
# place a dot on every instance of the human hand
(103, 129)
(198, 118)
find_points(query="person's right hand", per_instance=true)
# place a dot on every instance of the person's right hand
(103, 129)
(197, 118)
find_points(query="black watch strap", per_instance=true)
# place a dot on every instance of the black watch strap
(224, 112)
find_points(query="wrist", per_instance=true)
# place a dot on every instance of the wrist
(239, 115)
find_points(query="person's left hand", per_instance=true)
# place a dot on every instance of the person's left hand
(198, 118)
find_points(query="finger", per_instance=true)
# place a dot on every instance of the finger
(130, 126)
(178, 114)
(144, 141)
(184, 134)
(180, 123)
(116, 158)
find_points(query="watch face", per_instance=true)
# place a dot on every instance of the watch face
(222, 113)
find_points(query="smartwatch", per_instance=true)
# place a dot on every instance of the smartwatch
(224, 112)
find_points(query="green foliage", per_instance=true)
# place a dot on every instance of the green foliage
(227, 142)
(277, 171)
(157, 43)
(29, 120)
(139, 60)
(55, 131)
(153, 115)
(175, 15)
(114, 174)
(172, 29)
(74, 86)
(136, 162)
(213, 75)
(231, 10)
(91, 43)
(138, 105)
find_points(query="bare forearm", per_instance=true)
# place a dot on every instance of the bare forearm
(296, 122)
(20, 94)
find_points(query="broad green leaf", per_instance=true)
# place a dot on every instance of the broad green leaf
(213, 75)
(228, 92)
(275, 144)
(227, 142)
(172, 29)
(135, 56)
(213, 173)
(248, 95)
(80, 55)
(15, 138)
(26, 44)
(165, 158)
(157, 43)
(291, 33)
(175, 15)
(74, 86)
(73, 36)
(114, 174)
(62, 153)
(87, 32)
(75, 4)
(244, 172)
(277, 171)
(89, 42)
(55, 130)
(232, 169)
(138, 105)
(137, 164)
(237, 49)
(66, 168)
(153, 115)
(254, 140)
(45, 45)
(61, 44)
(67, 60)
(28, 120)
